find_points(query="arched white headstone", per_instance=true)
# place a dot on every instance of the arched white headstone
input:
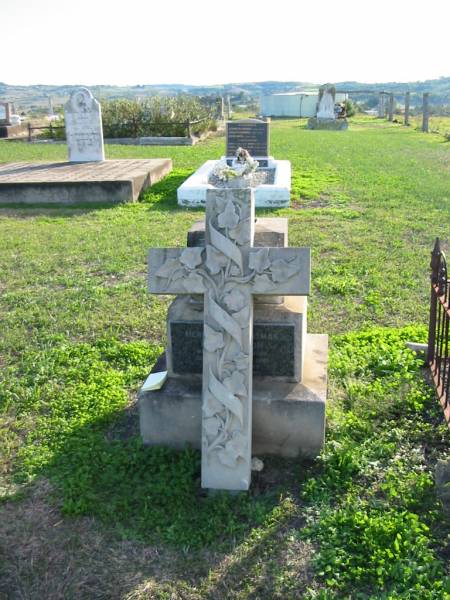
(84, 132)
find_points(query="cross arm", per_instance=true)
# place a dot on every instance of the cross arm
(176, 271)
(279, 271)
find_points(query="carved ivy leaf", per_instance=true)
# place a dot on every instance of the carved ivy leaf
(234, 449)
(212, 406)
(242, 316)
(235, 384)
(241, 233)
(227, 458)
(193, 283)
(262, 283)
(235, 300)
(211, 426)
(168, 268)
(259, 261)
(221, 203)
(229, 218)
(241, 361)
(191, 257)
(282, 270)
(213, 339)
(215, 260)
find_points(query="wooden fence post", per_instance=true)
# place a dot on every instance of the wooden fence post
(391, 107)
(425, 113)
(381, 107)
(407, 98)
(29, 131)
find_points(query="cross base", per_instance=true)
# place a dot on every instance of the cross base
(288, 418)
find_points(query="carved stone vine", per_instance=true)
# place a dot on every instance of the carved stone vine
(228, 271)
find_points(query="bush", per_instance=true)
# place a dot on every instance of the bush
(350, 108)
(155, 117)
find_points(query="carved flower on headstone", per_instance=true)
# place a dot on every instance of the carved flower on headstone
(191, 257)
(215, 260)
(213, 340)
(229, 218)
(282, 270)
(259, 261)
(235, 300)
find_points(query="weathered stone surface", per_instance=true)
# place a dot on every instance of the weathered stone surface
(328, 124)
(84, 131)
(269, 231)
(278, 337)
(228, 271)
(71, 183)
(251, 134)
(288, 418)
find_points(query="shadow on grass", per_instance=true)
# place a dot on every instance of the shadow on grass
(163, 195)
(153, 494)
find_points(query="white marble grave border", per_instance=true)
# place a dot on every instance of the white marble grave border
(276, 195)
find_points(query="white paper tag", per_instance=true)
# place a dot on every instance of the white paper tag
(154, 381)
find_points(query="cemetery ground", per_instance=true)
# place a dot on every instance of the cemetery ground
(87, 512)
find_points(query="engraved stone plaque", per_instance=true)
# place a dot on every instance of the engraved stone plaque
(251, 134)
(273, 348)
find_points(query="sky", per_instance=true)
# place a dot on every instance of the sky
(207, 42)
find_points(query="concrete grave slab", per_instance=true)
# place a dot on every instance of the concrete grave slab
(71, 183)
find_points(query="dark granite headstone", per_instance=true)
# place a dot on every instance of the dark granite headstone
(273, 348)
(251, 134)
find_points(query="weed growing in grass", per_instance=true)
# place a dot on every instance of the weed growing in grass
(372, 509)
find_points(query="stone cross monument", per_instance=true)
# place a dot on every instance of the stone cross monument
(228, 271)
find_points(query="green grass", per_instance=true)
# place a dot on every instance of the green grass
(79, 333)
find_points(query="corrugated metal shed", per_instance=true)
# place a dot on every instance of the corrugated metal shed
(293, 104)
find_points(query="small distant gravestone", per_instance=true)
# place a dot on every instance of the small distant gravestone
(325, 105)
(251, 134)
(325, 115)
(84, 130)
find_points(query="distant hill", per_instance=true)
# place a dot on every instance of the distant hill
(36, 96)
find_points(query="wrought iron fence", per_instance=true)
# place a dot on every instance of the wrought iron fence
(438, 357)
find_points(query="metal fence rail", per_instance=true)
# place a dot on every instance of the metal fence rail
(438, 357)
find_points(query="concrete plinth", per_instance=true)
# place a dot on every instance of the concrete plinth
(71, 183)
(288, 418)
(328, 124)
